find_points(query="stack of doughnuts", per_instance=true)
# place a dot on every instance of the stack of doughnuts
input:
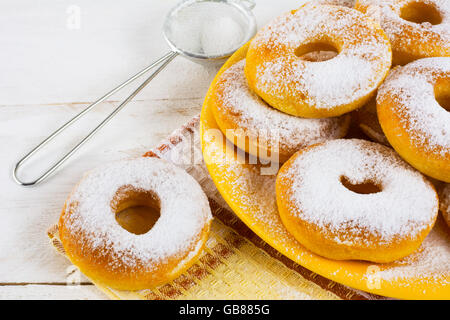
(416, 29)
(238, 110)
(411, 110)
(263, 92)
(310, 72)
(303, 77)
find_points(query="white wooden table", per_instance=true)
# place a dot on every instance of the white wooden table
(53, 62)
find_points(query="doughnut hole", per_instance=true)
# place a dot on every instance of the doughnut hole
(136, 210)
(367, 187)
(442, 93)
(420, 12)
(316, 51)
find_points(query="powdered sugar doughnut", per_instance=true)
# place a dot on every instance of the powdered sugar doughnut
(106, 252)
(411, 109)
(355, 199)
(277, 72)
(416, 28)
(444, 201)
(266, 131)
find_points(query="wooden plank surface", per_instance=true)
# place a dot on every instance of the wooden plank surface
(49, 72)
(51, 292)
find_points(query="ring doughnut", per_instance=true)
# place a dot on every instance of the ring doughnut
(416, 28)
(107, 252)
(411, 106)
(277, 72)
(444, 201)
(263, 129)
(355, 199)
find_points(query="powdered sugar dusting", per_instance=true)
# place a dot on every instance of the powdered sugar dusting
(250, 189)
(184, 212)
(423, 37)
(430, 263)
(364, 57)
(411, 88)
(405, 206)
(252, 114)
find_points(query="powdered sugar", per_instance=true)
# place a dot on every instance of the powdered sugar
(411, 88)
(430, 263)
(184, 213)
(404, 207)
(253, 115)
(253, 192)
(364, 57)
(208, 28)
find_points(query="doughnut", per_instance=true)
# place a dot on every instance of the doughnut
(412, 107)
(267, 132)
(351, 199)
(416, 28)
(367, 120)
(278, 73)
(108, 253)
(444, 201)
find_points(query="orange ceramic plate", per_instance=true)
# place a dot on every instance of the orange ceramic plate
(251, 195)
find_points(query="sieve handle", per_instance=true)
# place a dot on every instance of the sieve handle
(162, 62)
